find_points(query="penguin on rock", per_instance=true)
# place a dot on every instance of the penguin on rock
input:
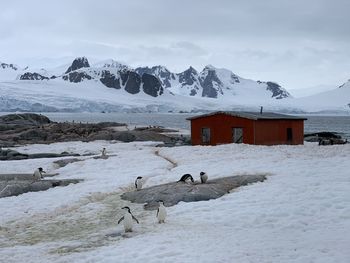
(185, 178)
(204, 177)
(38, 174)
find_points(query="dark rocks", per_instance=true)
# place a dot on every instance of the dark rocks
(110, 80)
(11, 66)
(173, 193)
(22, 176)
(10, 155)
(151, 85)
(76, 76)
(133, 83)
(188, 77)
(22, 119)
(32, 76)
(277, 91)
(325, 138)
(208, 84)
(14, 188)
(78, 63)
(162, 73)
(16, 129)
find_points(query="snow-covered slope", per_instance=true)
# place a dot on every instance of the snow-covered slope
(336, 100)
(300, 214)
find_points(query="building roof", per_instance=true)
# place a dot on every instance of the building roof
(251, 115)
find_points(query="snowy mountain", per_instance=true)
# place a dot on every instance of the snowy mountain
(9, 71)
(112, 86)
(335, 100)
(213, 82)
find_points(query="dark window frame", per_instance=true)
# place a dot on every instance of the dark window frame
(205, 135)
(240, 139)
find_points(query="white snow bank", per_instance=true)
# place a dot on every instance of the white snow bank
(300, 214)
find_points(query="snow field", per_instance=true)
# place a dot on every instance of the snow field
(300, 214)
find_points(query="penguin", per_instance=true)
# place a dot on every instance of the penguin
(161, 212)
(204, 177)
(186, 177)
(127, 219)
(38, 174)
(104, 152)
(138, 183)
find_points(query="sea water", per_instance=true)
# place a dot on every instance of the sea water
(314, 123)
(338, 124)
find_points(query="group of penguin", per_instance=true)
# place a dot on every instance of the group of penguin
(128, 217)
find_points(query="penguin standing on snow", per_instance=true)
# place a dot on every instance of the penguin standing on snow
(104, 152)
(138, 183)
(204, 177)
(161, 212)
(38, 174)
(186, 177)
(127, 219)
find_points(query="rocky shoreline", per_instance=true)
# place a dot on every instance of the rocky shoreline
(30, 128)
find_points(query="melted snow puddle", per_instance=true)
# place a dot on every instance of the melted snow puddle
(86, 225)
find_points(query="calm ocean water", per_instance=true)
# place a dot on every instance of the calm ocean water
(339, 124)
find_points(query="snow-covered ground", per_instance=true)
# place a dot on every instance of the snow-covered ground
(301, 213)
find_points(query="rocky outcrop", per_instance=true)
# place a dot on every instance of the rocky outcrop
(162, 73)
(14, 188)
(173, 193)
(133, 83)
(32, 76)
(209, 90)
(188, 77)
(76, 76)
(325, 138)
(110, 80)
(12, 121)
(276, 90)
(10, 155)
(78, 63)
(15, 132)
(11, 66)
(151, 85)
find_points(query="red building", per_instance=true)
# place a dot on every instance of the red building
(265, 128)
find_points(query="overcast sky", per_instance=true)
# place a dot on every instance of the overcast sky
(297, 43)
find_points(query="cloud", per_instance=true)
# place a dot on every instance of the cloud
(259, 39)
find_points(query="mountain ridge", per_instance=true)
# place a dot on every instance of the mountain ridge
(111, 86)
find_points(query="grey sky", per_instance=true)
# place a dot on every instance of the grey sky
(295, 43)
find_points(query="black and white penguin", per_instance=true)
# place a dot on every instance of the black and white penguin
(186, 177)
(138, 183)
(104, 152)
(127, 219)
(204, 177)
(38, 174)
(161, 212)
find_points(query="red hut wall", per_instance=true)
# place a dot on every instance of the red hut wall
(221, 129)
(261, 132)
(270, 132)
